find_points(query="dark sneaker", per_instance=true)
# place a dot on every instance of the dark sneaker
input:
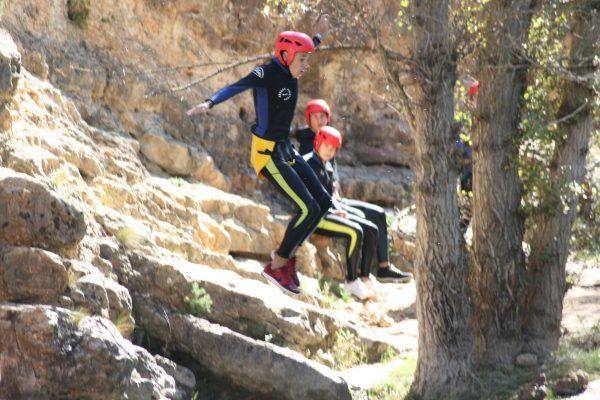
(280, 278)
(393, 275)
(290, 266)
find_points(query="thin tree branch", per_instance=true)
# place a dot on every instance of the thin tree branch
(220, 70)
(570, 115)
(180, 67)
(388, 54)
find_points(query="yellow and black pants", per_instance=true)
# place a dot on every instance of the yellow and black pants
(361, 236)
(376, 215)
(296, 180)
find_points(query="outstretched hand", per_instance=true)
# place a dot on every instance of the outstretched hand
(323, 24)
(201, 108)
(340, 213)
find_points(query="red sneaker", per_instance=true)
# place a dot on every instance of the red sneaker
(290, 266)
(280, 278)
(291, 270)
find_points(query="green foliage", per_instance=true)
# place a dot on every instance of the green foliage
(108, 20)
(199, 301)
(59, 177)
(177, 181)
(346, 352)
(79, 315)
(72, 276)
(585, 239)
(289, 8)
(130, 237)
(463, 112)
(332, 292)
(470, 19)
(78, 11)
(124, 324)
(260, 331)
(540, 139)
(388, 355)
(398, 383)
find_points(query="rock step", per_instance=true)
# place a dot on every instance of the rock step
(244, 305)
(259, 367)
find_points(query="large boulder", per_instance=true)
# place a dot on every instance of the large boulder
(385, 185)
(33, 215)
(176, 158)
(31, 275)
(49, 352)
(92, 290)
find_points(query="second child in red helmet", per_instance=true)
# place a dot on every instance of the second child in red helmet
(275, 91)
(360, 234)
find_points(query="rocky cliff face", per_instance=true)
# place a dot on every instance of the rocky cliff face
(100, 234)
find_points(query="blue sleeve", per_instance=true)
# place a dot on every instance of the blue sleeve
(253, 80)
(316, 40)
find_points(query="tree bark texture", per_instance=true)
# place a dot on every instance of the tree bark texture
(498, 274)
(550, 234)
(441, 264)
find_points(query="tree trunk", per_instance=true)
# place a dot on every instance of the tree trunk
(551, 233)
(441, 265)
(498, 274)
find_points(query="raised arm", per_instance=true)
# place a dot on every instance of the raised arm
(252, 80)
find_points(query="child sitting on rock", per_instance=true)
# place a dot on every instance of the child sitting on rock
(318, 114)
(360, 234)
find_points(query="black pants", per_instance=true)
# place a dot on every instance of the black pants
(376, 215)
(296, 180)
(361, 238)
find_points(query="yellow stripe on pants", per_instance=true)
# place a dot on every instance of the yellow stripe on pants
(272, 168)
(336, 227)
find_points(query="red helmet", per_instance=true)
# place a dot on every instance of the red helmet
(329, 135)
(292, 42)
(318, 105)
(473, 88)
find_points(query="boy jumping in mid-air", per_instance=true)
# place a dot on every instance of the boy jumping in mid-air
(275, 90)
(318, 114)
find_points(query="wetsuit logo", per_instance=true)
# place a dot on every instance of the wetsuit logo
(285, 94)
(258, 71)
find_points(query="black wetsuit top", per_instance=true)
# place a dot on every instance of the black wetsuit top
(275, 93)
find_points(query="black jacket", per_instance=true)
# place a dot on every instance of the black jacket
(306, 140)
(327, 173)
